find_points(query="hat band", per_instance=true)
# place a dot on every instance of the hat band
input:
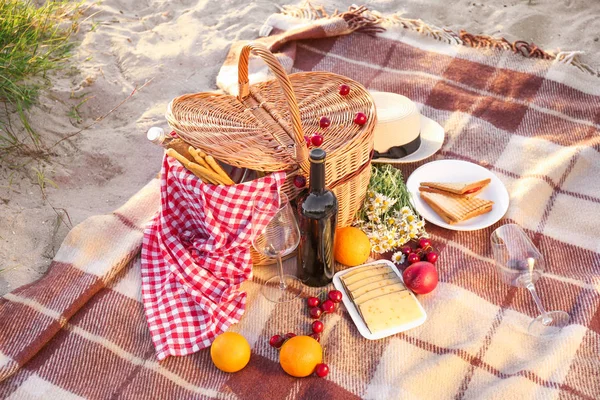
(400, 151)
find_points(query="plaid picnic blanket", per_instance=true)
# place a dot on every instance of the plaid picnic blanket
(80, 331)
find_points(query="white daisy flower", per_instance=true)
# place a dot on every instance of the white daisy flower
(398, 257)
(378, 200)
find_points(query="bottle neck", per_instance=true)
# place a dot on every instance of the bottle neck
(317, 177)
(158, 136)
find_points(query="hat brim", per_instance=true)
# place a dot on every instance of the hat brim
(432, 139)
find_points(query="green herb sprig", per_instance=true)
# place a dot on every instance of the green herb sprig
(387, 215)
(389, 181)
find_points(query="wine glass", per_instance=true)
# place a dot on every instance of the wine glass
(279, 238)
(519, 263)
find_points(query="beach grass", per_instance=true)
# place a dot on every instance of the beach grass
(34, 40)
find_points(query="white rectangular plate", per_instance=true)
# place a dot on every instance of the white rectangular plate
(353, 311)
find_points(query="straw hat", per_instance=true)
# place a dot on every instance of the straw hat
(402, 134)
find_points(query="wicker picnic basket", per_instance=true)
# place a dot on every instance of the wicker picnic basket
(264, 128)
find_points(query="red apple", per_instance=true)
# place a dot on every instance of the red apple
(421, 277)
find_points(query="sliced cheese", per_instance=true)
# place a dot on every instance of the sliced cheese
(356, 270)
(389, 311)
(379, 291)
(375, 285)
(365, 274)
(365, 281)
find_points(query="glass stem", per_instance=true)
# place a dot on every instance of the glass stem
(282, 284)
(546, 319)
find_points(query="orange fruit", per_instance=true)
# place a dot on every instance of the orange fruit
(352, 246)
(230, 352)
(300, 355)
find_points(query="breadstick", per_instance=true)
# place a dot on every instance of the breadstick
(181, 147)
(211, 161)
(198, 158)
(204, 174)
(201, 153)
(173, 153)
(212, 175)
(189, 165)
(210, 164)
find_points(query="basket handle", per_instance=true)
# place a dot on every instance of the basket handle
(275, 66)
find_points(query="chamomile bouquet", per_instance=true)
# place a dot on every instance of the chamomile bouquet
(387, 215)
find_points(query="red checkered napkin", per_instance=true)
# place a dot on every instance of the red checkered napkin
(195, 255)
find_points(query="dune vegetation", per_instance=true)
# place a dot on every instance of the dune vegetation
(34, 40)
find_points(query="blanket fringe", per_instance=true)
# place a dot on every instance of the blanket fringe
(529, 50)
(526, 49)
(361, 19)
(304, 11)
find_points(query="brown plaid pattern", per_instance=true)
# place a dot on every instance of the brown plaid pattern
(80, 332)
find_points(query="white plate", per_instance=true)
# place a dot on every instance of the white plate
(459, 171)
(353, 311)
(432, 138)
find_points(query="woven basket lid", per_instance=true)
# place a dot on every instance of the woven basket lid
(264, 128)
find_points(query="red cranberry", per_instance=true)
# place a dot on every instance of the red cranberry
(313, 302)
(299, 181)
(315, 336)
(432, 257)
(328, 306)
(321, 370)
(317, 327)
(315, 312)
(289, 335)
(335, 296)
(276, 341)
(360, 119)
(324, 122)
(413, 258)
(316, 139)
(344, 89)
(406, 250)
(424, 243)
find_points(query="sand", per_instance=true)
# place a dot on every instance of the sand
(179, 45)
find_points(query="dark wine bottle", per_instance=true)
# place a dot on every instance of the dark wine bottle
(317, 220)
